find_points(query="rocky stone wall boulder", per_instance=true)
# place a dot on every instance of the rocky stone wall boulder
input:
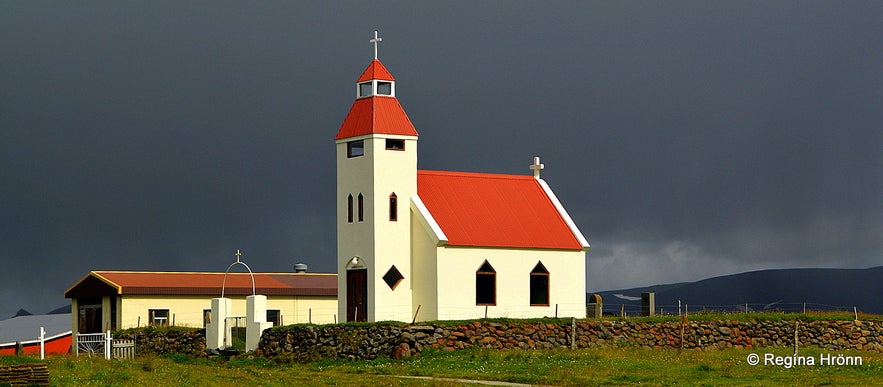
(165, 340)
(303, 343)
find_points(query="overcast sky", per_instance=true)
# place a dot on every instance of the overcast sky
(686, 139)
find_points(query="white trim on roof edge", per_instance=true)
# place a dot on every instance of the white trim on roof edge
(561, 211)
(428, 221)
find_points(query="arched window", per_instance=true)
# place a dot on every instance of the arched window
(486, 285)
(361, 207)
(393, 207)
(349, 208)
(539, 285)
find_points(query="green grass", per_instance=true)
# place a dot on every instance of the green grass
(15, 360)
(609, 366)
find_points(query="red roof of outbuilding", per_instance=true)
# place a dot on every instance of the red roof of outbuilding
(375, 70)
(479, 209)
(376, 115)
(183, 283)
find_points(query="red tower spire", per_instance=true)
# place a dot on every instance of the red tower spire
(376, 109)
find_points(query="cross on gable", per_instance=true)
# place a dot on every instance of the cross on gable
(376, 41)
(536, 167)
(238, 255)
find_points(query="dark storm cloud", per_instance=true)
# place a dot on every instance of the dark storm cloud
(686, 139)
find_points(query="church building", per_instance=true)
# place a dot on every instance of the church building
(439, 245)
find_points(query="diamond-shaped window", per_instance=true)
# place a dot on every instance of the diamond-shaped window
(393, 277)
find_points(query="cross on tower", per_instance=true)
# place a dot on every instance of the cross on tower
(536, 167)
(376, 41)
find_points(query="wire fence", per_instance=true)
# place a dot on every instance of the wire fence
(636, 309)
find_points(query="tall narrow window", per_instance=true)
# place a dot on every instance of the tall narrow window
(539, 285)
(393, 207)
(361, 207)
(349, 208)
(486, 285)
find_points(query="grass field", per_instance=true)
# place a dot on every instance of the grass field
(612, 367)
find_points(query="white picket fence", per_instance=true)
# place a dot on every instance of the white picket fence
(94, 343)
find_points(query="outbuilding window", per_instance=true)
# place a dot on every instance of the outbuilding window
(158, 317)
(274, 316)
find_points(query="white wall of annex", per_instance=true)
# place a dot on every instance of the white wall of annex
(187, 311)
(456, 268)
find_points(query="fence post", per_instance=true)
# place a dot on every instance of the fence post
(42, 343)
(414, 320)
(107, 344)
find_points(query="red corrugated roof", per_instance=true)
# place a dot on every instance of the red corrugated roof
(479, 209)
(375, 70)
(376, 115)
(183, 283)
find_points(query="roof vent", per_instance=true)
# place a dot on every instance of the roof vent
(300, 268)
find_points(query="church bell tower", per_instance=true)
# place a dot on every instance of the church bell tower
(376, 177)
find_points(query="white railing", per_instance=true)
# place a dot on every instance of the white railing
(92, 343)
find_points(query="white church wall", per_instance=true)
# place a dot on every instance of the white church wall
(423, 273)
(354, 239)
(457, 266)
(396, 173)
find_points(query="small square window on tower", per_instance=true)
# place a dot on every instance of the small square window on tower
(355, 148)
(393, 277)
(392, 144)
(384, 88)
(365, 89)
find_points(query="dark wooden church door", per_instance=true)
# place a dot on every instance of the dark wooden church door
(357, 295)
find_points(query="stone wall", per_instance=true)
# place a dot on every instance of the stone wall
(368, 341)
(304, 343)
(835, 335)
(165, 340)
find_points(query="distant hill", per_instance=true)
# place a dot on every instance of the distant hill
(785, 290)
(61, 310)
